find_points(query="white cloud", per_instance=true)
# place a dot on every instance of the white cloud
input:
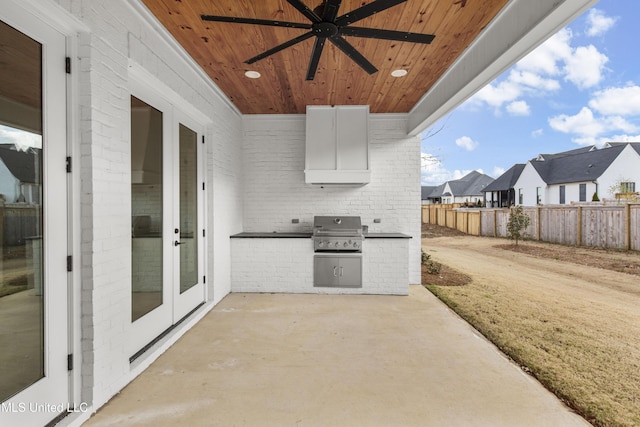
(537, 133)
(497, 171)
(545, 58)
(598, 23)
(623, 101)
(467, 143)
(519, 108)
(434, 172)
(21, 139)
(540, 72)
(589, 128)
(585, 66)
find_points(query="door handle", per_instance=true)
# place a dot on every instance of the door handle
(335, 274)
(176, 243)
(341, 270)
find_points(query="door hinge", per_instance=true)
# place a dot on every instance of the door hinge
(203, 186)
(69, 263)
(67, 65)
(204, 279)
(203, 235)
(68, 164)
(69, 362)
(203, 139)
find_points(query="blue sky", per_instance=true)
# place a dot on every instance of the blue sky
(581, 87)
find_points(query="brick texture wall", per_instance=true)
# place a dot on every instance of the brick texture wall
(275, 191)
(119, 33)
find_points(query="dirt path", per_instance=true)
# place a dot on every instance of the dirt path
(480, 259)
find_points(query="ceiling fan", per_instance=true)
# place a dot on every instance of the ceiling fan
(327, 25)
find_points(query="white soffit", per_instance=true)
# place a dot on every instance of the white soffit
(518, 29)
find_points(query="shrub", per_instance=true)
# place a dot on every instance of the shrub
(433, 267)
(517, 224)
(595, 198)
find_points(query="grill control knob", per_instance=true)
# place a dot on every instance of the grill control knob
(346, 244)
(355, 244)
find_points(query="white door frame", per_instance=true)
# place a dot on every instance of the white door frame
(175, 305)
(53, 389)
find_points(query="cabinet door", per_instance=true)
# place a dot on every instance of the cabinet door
(352, 137)
(321, 139)
(350, 272)
(326, 271)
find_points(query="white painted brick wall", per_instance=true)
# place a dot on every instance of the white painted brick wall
(118, 33)
(286, 265)
(275, 191)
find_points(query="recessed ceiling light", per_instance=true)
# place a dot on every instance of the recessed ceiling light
(252, 74)
(399, 73)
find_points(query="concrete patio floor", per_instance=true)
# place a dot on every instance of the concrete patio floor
(330, 360)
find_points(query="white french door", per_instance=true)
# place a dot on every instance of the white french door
(34, 330)
(167, 220)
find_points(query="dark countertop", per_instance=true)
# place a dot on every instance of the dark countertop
(294, 235)
(386, 236)
(272, 235)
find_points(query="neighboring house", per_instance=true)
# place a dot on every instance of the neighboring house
(501, 192)
(577, 175)
(468, 189)
(18, 170)
(425, 191)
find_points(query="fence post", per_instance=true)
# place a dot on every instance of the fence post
(538, 226)
(495, 223)
(627, 234)
(579, 226)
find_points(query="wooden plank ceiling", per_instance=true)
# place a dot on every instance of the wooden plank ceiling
(221, 49)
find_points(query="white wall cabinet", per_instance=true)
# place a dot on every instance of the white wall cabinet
(337, 145)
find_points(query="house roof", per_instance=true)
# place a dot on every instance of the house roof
(436, 192)
(426, 190)
(507, 180)
(21, 164)
(634, 145)
(471, 184)
(579, 165)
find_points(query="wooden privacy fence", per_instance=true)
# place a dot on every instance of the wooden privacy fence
(606, 226)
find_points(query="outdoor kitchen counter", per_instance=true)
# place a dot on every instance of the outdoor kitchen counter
(283, 263)
(296, 235)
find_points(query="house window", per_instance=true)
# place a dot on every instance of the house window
(539, 195)
(520, 196)
(627, 187)
(562, 194)
(583, 192)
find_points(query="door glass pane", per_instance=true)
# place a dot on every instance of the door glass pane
(146, 208)
(188, 208)
(21, 213)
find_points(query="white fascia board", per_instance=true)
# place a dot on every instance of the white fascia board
(520, 27)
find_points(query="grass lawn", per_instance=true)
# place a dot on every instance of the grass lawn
(590, 361)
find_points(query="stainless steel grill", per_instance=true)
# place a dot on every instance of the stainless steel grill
(337, 234)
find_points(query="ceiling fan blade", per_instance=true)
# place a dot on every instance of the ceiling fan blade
(375, 33)
(331, 10)
(279, 47)
(302, 8)
(315, 57)
(366, 11)
(255, 21)
(352, 53)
